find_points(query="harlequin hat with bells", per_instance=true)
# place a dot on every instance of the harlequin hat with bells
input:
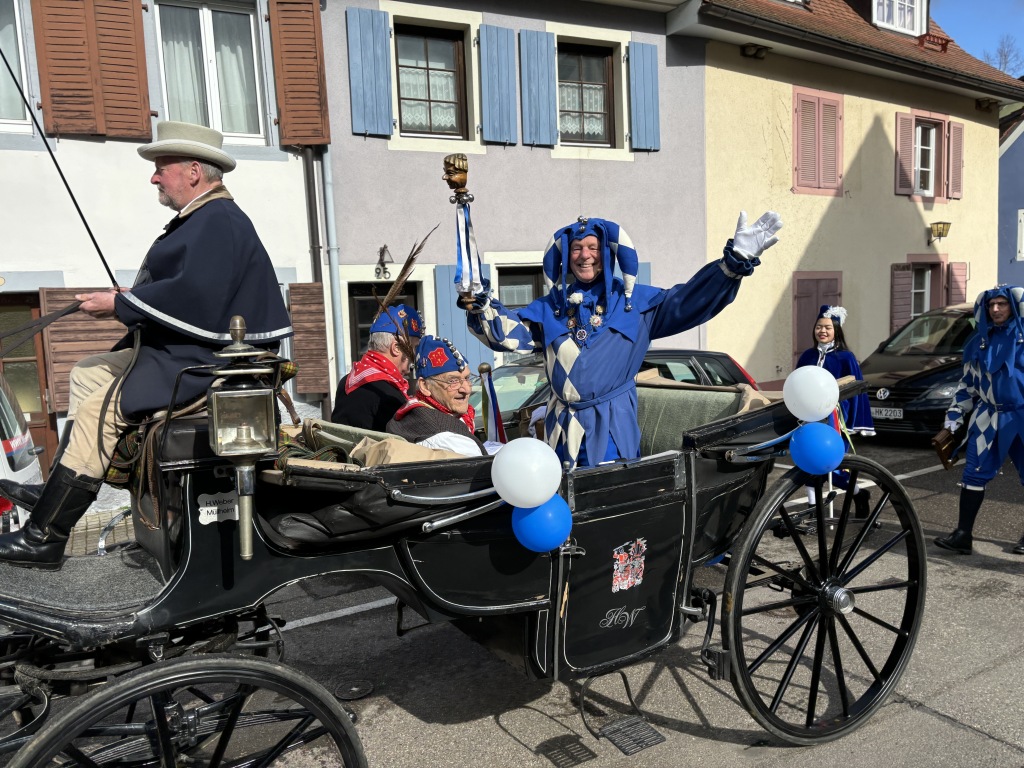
(436, 356)
(978, 346)
(615, 248)
(836, 314)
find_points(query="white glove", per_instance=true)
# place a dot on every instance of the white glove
(950, 425)
(751, 241)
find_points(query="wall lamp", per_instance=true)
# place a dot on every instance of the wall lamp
(753, 50)
(937, 230)
(384, 258)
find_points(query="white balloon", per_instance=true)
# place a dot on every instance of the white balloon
(526, 472)
(810, 393)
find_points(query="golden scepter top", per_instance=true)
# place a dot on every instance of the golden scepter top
(456, 171)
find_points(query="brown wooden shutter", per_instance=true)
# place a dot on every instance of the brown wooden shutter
(957, 284)
(956, 160)
(122, 67)
(92, 67)
(904, 154)
(831, 147)
(71, 339)
(901, 285)
(68, 67)
(807, 141)
(309, 344)
(299, 72)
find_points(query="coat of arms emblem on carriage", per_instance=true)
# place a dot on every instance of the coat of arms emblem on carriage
(628, 565)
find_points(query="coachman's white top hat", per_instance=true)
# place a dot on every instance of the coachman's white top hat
(188, 140)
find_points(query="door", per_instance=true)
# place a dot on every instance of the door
(810, 291)
(25, 373)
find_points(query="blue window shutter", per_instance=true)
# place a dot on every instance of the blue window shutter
(451, 321)
(538, 81)
(498, 75)
(369, 71)
(645, 116)
(643, 274)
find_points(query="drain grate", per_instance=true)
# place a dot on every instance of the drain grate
(631, 734)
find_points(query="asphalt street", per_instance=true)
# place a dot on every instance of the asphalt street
(434, 697)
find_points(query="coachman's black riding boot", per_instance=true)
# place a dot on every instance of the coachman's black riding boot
(40, 543)
(25, 495)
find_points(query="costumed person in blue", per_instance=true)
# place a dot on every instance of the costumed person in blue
(829, 351)
(991, 397)
(207, 266)
(372, 392)
(439, 415)
(594, 328)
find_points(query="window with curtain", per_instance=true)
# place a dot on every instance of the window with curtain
(431, 81)
(12, 109)
(585, 95)
(909, 16)
(209, 66)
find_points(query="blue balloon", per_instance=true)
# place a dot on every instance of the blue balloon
(541, 529)
(816, 448)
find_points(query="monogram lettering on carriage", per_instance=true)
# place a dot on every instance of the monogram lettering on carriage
(215, 507)
(628, 565)
(620, 617)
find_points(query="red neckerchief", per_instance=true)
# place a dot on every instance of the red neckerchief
(426, 401)
(373, 366)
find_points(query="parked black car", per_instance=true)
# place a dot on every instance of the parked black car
(523, 383)
(913, 374)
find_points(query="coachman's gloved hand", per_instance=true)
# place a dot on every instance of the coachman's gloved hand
(751, 240)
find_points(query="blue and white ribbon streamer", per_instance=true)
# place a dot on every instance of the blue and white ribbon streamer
(468, 270)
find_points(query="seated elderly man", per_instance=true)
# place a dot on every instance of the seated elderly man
(440, 416)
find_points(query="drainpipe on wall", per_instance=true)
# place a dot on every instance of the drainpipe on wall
(330, 228)
(309, 176)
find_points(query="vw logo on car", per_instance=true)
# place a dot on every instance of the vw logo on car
(882, 394)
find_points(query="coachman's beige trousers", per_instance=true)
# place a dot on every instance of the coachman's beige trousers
(96, 430)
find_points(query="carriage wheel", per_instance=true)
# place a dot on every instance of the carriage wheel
(213, 711)
(821, 610)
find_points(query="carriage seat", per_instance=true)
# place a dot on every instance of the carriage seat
(666, 409)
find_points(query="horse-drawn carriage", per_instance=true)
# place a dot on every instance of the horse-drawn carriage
(162, 653)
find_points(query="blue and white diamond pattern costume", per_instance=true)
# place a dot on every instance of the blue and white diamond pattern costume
(991, 391)
(594, 335)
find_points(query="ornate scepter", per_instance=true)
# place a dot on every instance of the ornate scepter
(468, 269)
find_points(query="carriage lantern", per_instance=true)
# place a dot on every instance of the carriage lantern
(243, 422)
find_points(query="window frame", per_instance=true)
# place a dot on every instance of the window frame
(206, 9)
(617, 41)
(936, 148)
(468, 22)
(949, 139)
(11, 125)
(437, 33)
(920, 12)
(593, 51)
(820, 185)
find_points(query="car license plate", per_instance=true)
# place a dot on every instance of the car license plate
(887, 413)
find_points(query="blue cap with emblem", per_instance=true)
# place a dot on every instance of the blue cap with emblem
(436, 356)
(398, 318)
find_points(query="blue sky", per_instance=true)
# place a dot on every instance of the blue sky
(977, 25)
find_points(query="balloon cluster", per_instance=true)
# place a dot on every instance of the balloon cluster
(811, 394)
(526, 474)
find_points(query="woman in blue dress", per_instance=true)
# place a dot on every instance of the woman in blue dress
(594, 329)
(831, 353)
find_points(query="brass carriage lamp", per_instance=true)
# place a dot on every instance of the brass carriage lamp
(243, 422)
(938, 230)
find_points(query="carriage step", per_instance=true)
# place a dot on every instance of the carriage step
(631, 734)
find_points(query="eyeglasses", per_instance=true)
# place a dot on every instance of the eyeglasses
(452, 384)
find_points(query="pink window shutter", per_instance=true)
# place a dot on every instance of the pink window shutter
(806, 135)
(957, 282)
(901, 285)
(831, 145)
(956, 161)
(904, 154)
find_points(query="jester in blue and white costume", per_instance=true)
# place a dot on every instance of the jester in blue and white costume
(991, 398)
(594, 328)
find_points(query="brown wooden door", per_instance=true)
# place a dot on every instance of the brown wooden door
(25, 372)
(810, 291)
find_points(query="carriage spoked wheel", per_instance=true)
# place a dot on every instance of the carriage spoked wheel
(212, 711)
(821, 610)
